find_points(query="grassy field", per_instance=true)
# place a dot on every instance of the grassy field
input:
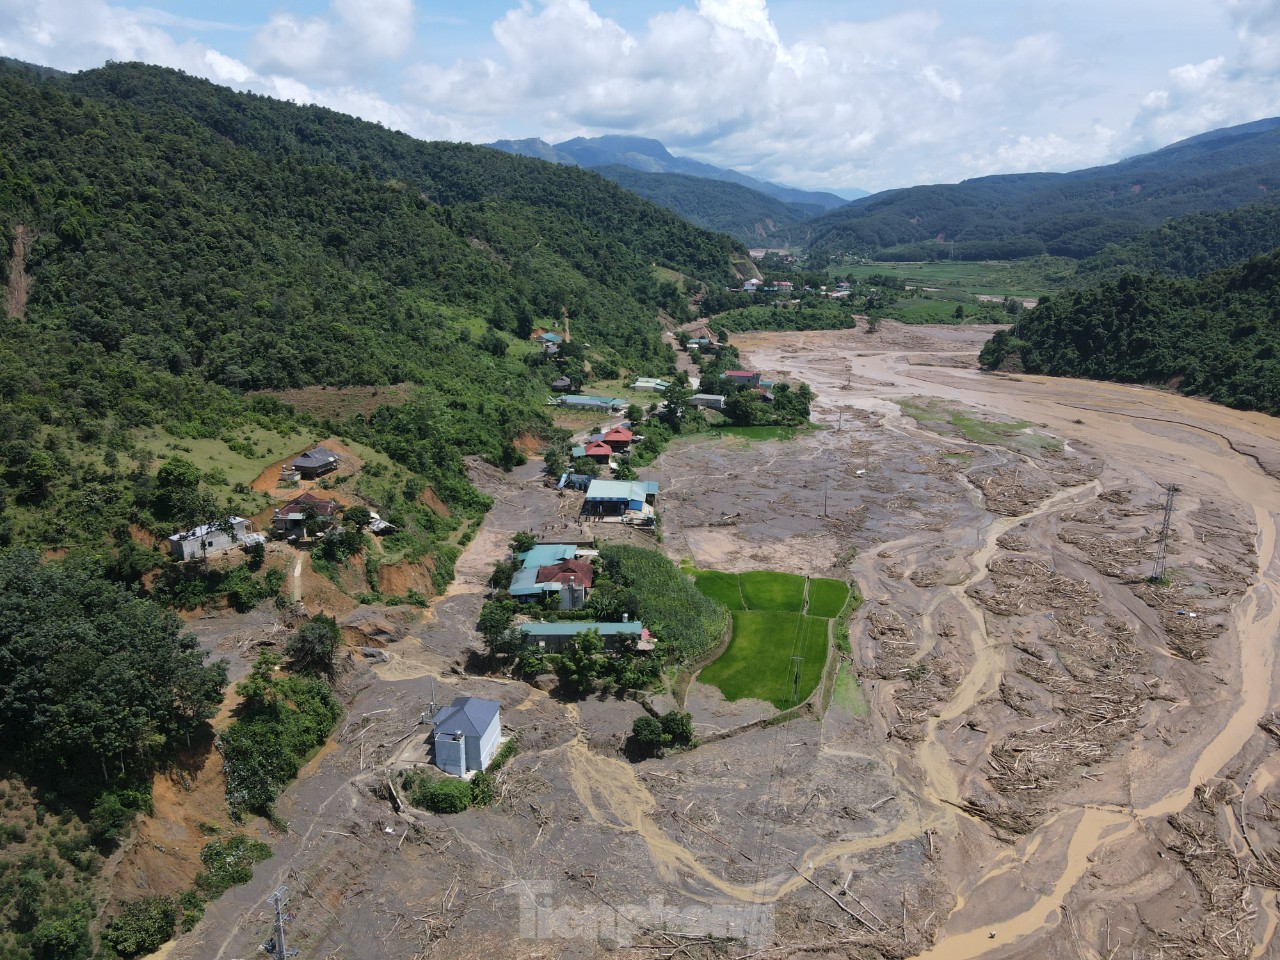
(760, 433)
(766, 590)
(721, 587)
(1024, 279)
(770, 627)
(1016, 434)
(848, 694)
(827, 597)
(757, 662)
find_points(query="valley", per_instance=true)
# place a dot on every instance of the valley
(1058, 759)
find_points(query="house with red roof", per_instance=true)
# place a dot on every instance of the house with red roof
(577, 572)
(744, 378)
(292, 517)
(619, 439)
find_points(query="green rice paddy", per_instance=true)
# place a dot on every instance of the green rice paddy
(776, 617)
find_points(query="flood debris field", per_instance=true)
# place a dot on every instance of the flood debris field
(1058, 759)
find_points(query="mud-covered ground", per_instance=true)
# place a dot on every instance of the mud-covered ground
(1060, 760)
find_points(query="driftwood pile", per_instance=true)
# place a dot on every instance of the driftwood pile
(1010, 491)
(1087, 667)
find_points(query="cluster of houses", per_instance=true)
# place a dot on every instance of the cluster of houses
(288, 522)
(783, 288)
(747, 379)
(602, 447)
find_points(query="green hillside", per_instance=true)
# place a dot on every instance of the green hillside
(1190, 246)
(1065, 214)
(747, 215)
(1217, 337)
(186, 245)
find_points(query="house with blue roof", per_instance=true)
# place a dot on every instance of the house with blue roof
(620, 497)
(600, 404)
(466, 735)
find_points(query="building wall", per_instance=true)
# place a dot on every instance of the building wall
(212, 542)
(480, 750)
(450, 754)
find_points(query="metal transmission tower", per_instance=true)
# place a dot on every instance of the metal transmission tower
(1157, 571)
(276, 945)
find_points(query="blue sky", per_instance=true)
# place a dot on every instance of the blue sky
(814, 93)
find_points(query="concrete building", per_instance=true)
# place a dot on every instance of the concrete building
(712, 400)
(208, 538)
(466, 735)
(600, 404)
(553, 637)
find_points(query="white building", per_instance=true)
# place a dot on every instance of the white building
(208, 538)
(466, 735)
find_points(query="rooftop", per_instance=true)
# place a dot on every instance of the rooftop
(195, 533)
(545, 554)
(621, 489)
(470, 716)
(571, 628)
(315, 457)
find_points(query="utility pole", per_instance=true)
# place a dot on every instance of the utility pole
(1157, 571)
(826, 483)
(280, 951)
(795, 680)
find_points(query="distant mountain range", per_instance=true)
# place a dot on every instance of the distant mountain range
(1067, 214)
(754, 211)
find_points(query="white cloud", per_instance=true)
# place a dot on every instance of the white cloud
(355, 37)
(804, 93)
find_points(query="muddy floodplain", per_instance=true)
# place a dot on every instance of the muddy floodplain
(1057, 757)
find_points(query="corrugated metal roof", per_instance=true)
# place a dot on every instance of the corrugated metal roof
(571, 628)
(615, 490)
(204, 529)
(470, 716)
(545, 554)
(524, 583)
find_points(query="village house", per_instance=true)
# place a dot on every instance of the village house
(555, 637)
(553, 569)
(743, 378)
(619, 439)
(713, 400)
(596, 450)
(209, 538)
(292, 517)
(466, 735)
(620, 498)
(601, 404)
(751, 286)
(315, 463)
(562, 385)
(650, 384)
(786, 287)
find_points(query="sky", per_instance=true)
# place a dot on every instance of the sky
(819, 94)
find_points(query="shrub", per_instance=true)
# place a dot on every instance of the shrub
(440, 794)
(143, 926)
(228, 863)
(62, 938)
(646, 736)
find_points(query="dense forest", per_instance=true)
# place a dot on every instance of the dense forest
(1216, 337)
(185, 247)
(174, 255)
(1066, 214)
(747, 215)
(1189, 246)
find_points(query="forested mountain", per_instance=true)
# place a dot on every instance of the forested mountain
(754, 212)
(182, 244)
(1190, 246)
(1217, 337)
(1067, 214)
(746, 215)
